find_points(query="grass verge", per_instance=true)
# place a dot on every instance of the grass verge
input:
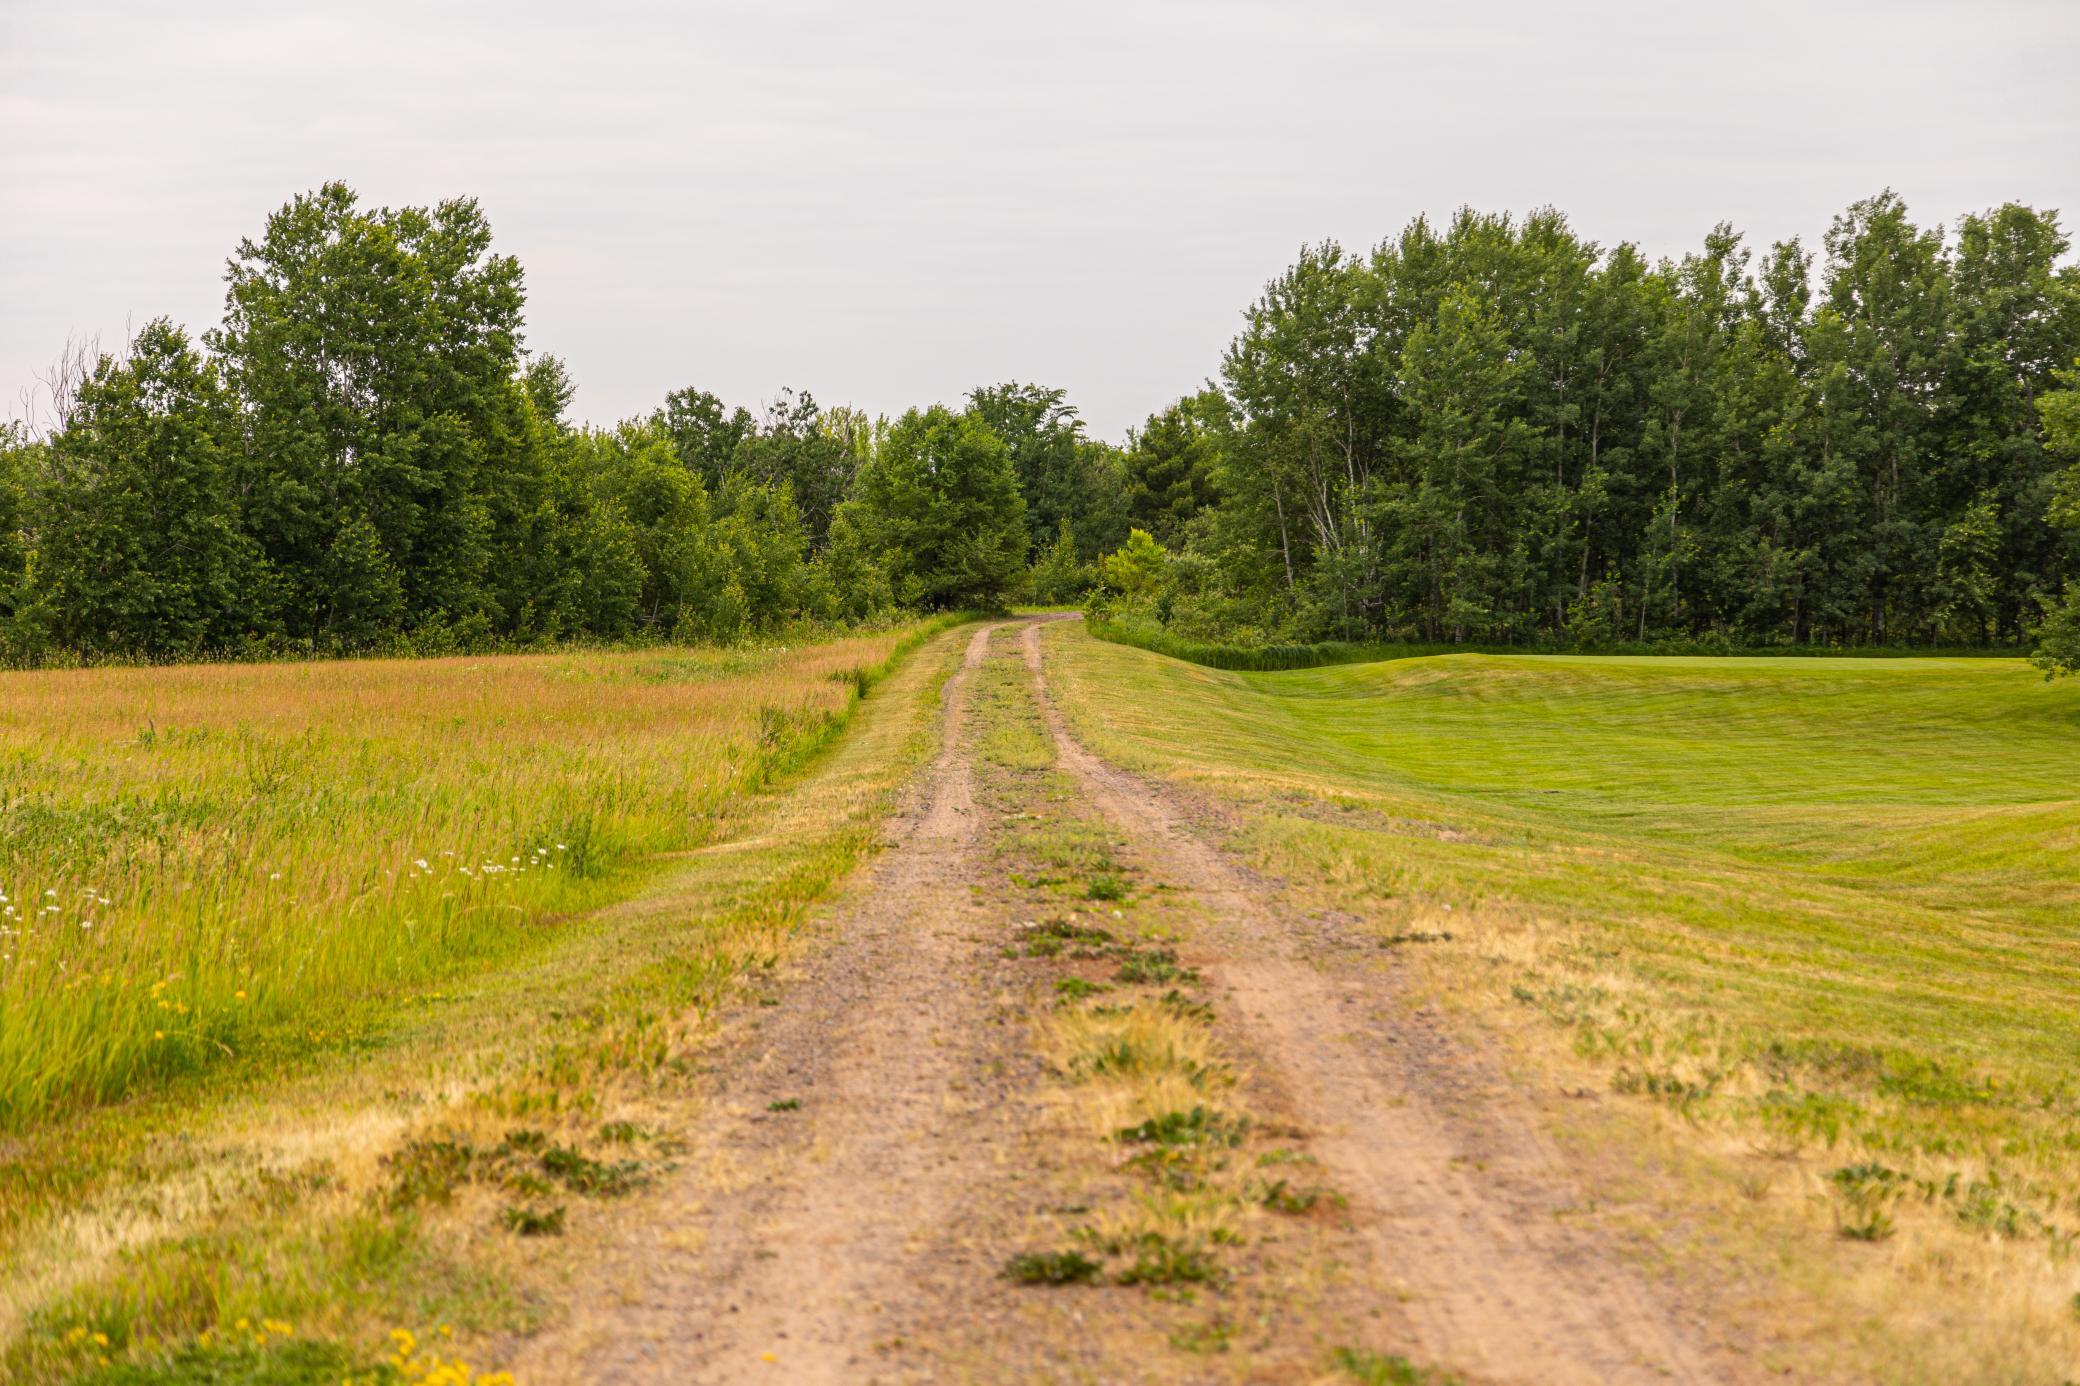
(440, 1169)
(1806, 921)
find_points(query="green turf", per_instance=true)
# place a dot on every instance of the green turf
(1842, 889)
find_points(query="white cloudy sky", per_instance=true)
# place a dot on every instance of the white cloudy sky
(891, 202)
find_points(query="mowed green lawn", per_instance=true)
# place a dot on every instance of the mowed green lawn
(1837, 900)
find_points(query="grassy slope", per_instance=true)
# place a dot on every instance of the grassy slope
(275, 1189)
(1822, 909)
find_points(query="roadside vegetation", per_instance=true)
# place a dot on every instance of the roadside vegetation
(1807, 919)
(436, 1074)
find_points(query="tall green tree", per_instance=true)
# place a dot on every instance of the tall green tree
(2059, 650)
(1060, 473)
(139, 548)
(1171, 462)
(376, 358)
(939, 504)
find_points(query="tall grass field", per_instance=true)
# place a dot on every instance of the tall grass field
(205, 862)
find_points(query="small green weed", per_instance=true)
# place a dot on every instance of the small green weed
(526, 1222)
(1052, 1268)
(1208, 1337)
(1388, 1369)
(1161, 1260)
(1199, 1126)
(1106, 887)
(1282, 1196)
(1154, 966)
(427, 1171)
(584, 1175)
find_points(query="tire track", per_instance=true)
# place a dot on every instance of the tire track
(1493, 1286)
(784, 1247)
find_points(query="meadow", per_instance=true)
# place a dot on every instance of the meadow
(207, 863)
(1818, 913)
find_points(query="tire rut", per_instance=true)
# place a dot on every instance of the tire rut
(1458, 1210)
(786, 1244)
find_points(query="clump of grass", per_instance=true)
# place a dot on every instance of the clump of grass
(1371, 1368)
(785, 1104)
(1154, 967)
(525, 1221)
(1105, 886)
(299, 1362)
(1867, 1192)
(1294, 1200)
(1213, 1336)
(428, 1170)
(1052, 1268)
(582, 1174)
(1199, 1126)
(1156, 1259)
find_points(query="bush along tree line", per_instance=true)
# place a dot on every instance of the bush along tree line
(1495, 432)
(1492, 433)
(362, 455)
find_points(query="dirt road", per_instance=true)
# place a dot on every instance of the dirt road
(871, 1145)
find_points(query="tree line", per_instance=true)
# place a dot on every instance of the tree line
(363, 455)
(1492, 431)
(1495, 431)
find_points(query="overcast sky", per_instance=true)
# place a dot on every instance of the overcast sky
(888, 203)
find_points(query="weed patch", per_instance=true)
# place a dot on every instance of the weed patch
(1052, 1268)
(1387, 1369)
(1199, 1126)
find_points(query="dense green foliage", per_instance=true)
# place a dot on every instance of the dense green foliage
(1493, 433)
(940, 499)
(363, 454)
(1497, 432)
